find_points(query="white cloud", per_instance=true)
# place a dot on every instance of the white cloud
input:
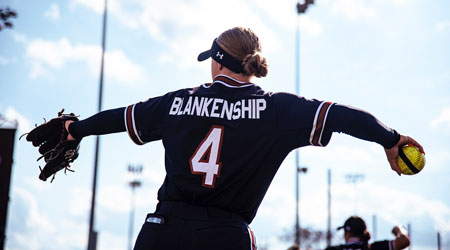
(53, 12)
(395, 2)
(367, 200)
(24, 123)
(400, 2)
(4, 60)
(443, 25)
(122, 69)
(370, 195)
(37, 70)
(19, 37)
(30, 226)
(284, 14)
(109, 241)
(154, 176)
(278, 200)
(443, 120)
(55, 54)
(79, 204)
(310, 25)
(352, 9)
(113, 197)
(95, 5)
(72, 233)
(27, 224)
(36, 184)
(181, 25)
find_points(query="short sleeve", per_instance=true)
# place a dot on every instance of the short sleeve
(303, 119)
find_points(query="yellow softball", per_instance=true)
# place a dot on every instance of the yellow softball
(411, 161)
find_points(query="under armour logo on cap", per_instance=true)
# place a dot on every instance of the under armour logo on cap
(219, 55)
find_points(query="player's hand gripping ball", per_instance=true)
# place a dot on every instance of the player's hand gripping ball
(410, 160)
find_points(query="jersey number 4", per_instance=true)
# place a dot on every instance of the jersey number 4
(205, 160)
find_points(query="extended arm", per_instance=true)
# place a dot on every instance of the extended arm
(105, 122)
(363, 125)
(401, 238)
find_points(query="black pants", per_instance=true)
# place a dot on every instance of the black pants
(179, 226)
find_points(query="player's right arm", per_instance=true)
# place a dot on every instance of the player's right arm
(313, 122)
(401, 238)
(363, 125)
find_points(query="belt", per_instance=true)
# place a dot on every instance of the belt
(188, 211)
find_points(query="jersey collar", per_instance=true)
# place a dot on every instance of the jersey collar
(228, 82)
(353, 240)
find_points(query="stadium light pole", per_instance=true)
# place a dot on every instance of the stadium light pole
(355, 178)
(301, 9)
(329, 209)
(410, 236)
(92, 237)
(374, 227)
(439, 241)
(134, 183)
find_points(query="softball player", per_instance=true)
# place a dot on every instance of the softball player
(357, 237)
(224, 141)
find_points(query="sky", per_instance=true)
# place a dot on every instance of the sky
(388, 57)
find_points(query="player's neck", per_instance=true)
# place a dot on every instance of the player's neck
(238, 77)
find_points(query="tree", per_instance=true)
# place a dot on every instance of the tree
(309, 238)
(5, 14)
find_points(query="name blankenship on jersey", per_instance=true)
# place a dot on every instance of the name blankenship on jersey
(218, 108)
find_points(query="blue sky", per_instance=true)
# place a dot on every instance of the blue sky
(389, 57)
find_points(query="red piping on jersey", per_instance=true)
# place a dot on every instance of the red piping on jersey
(130, 127)
(231, 81)
(252, 239)
(320, 123)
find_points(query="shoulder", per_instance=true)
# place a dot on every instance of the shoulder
(289, 99)
(381, 245)
(171, 95)
(350, 246)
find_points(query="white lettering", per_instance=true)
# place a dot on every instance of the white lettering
(176, 104)
(187, 108)
(197, 106)
(180, 111)
(237, 110)
(246, 108)
(215, 107)
(219, 108)
(227, 109)
(205, 107)
(260, 106)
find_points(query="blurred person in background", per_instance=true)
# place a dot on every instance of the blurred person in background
(357, 237)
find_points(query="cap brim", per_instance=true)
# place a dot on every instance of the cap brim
(339, 228)
(204, 55)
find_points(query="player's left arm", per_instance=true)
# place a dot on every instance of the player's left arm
(363, 125)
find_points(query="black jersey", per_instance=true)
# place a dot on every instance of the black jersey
(225, 141)
(378, 245)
